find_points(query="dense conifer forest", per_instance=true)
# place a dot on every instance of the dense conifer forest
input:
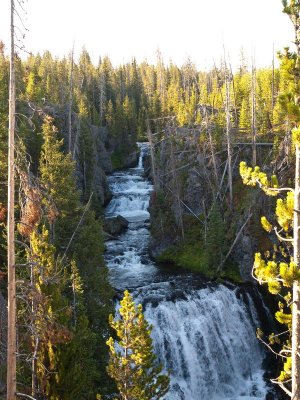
(78, 122)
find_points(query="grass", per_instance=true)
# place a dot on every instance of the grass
(195, 258)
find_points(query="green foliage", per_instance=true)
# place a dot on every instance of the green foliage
(62, 330)
(132, 363)
(296, 136)
(253, 176)
(266, 224)
(287, 370)
(274, 272)
(49, 327)
(87, 249)
(117, 160)
(57, 171)
(269, 271)
(194, 257)
(285, 211)
(121, 98)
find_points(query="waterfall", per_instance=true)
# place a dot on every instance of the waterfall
(203, 333)
(207, 342)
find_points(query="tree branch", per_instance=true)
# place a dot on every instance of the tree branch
(270, 348)
(281, 238)
(25, 395)
(234, 242)
(284, 189)
(78, 225)
(281, 385)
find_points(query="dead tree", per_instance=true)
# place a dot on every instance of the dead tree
(273, 84)
(11, 288)
(236, 120)
(152, 154)
(161, 78)
(170, 133)
(253, 113)
(70, 103)
(102, 97)
(209, 129)
(228, 135)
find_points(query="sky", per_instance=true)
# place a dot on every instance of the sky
(123, 29)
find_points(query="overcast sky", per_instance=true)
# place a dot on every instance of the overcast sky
(122, 29)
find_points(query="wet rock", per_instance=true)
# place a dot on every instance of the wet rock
(107, 237)
(147, 166)
(158, 246)
(244, 255)
(103, 160)
(115, 225)
(131, 160)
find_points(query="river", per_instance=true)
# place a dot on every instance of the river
(203, 332)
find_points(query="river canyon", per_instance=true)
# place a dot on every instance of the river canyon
(203, 332)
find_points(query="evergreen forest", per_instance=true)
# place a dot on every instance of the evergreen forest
(219, 150)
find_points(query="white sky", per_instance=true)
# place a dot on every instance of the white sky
(122, 29)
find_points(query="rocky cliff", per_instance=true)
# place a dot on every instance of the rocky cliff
(97, 153)
(192, 224)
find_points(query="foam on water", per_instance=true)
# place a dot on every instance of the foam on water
(205, 337)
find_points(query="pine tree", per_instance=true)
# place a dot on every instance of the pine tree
(49, 325)
(57, 170)
(132, 362)
(278, 273)
(245, 115)
(77, 379)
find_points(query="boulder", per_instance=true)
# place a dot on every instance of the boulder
(107, 237)
(115, 225)
(131, 160)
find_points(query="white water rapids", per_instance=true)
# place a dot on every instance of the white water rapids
(203, 333)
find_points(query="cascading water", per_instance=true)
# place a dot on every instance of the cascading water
(203, 333)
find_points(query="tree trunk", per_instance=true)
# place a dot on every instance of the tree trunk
(296, 287)
(253, 117)
(209, 131)
(175, 181)
(70, 105)
(34, 383)
(228, 139)
(153, 166)
(273, 88)
(11, 289)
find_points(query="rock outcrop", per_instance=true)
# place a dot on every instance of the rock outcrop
(115, 225)
(185, 197)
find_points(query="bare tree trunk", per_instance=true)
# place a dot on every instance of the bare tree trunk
(153, 167)
(212, 149)
(295, 18)
(228, 139)
(175, 181)
(236, 120)
(273, 86)
(102, 97)
(70, 104)
(296, 287)
(74, 303)
(253, 116)
(35, 340)
(11, 289)
(161, 78)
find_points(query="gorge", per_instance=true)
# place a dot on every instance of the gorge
(203, 331)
